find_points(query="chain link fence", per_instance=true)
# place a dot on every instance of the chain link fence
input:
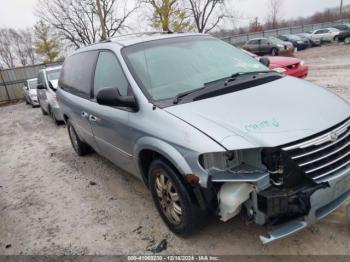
(243, 38)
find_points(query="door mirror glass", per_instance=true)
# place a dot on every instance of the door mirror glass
(265, 61)
(110, 96)
(41, 86)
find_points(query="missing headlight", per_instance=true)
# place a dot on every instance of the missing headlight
(220, 160)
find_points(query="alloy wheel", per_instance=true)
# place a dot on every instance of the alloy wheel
(168, 197)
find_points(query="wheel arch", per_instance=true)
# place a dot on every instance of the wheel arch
(147, 149)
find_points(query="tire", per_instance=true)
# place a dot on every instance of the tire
(79, 146)
(52, 114)
(347, 40)
(173, 200)
(42, 110)
(336, 38)
(274, 52)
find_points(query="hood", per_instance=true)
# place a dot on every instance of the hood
(268, 115)
(280, 61)
(32, 91)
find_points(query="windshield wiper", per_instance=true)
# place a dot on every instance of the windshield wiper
(179, 96)
(231, 78)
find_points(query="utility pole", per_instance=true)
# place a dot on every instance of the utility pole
(102, 20)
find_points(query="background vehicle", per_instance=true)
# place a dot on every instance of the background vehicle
(285, 65)
(327, 34)
(208, 128)
(30, 92)
(314, 40)
(297, 41)
(269, 46)
(47, 87)
(344, 34)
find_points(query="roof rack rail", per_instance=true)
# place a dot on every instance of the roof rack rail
(139, 34)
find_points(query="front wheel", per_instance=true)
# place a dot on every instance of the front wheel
(347, 40)
(173, 200)
(274, 51)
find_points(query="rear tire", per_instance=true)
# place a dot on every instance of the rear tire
(52, 114)
(274, 52)
(336, 38)
(42, 110)
(173, 200)
(79, 146)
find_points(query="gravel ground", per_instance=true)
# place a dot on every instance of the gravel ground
(54, 202)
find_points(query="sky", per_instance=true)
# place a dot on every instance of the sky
(20, 13)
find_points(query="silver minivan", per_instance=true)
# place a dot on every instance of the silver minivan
(47, 87)
(210, 130)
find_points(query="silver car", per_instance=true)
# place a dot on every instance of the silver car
(209, 129)
(30, 92)
(47, 87)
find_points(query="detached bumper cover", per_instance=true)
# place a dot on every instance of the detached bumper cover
(323, 202)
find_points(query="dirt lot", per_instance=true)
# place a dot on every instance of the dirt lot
(54, 202)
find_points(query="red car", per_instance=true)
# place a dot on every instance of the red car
(289, 66)
(285, 65)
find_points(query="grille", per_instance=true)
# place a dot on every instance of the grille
(324, 155)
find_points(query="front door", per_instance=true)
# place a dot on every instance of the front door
(110, 125)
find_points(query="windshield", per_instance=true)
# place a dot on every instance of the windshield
(53, 75)
(168, 67)
(32, 84)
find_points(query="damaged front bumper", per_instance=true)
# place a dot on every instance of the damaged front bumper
(322, 201)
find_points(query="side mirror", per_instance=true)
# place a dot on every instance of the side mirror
(110, 96)
(265, 61)
(40, 86)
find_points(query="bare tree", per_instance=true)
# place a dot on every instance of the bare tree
(7, 57)
(28, 44)
(114, 15)
(19, 46)
(203, 13)
(77, 21)
(274, 13)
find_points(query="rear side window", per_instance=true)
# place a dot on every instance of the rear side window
(253, 42)
(109, 74)
(77, 73)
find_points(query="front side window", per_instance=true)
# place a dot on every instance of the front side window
(109, 74)
(171, 66)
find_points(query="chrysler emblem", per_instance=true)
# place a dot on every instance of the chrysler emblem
(333, 136)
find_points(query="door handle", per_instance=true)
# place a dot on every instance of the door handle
(84, 114)
(93, 118)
